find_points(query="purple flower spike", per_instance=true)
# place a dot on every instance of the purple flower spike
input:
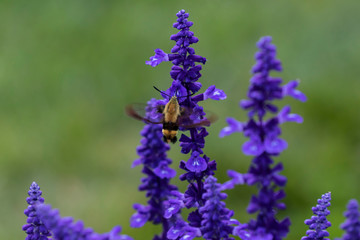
(153, 157)
(352, 224)
(290, 90)
(185, 74)
(266, 57)
(35, 229)
(318, 223)
(264, 142)
(216, 223)
(65, 228)
(234, 126)
(160, 56)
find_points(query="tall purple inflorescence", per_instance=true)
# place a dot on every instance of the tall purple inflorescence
(34, 228)
(153, 157)
(216, 218)
(185, 74)
(318, 223)
(264, 141)
(352, 224)
(66, 229)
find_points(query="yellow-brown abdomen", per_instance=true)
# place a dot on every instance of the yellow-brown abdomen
(169, 135)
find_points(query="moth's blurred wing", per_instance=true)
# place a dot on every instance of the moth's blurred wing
(138, 111)
(187, 123)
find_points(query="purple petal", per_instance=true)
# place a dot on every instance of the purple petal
(173, 233)
(163, 171)
(290, 90)
(190, 233)
(160, 56)
(172, 207)
(275, 145)
(285, 116)
(234, 126)
(213, 93)
(236, 178)
(246, 103)
(196, 163)
(138, 220)
(136, 162)
(253, 147)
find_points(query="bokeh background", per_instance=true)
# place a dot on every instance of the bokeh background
(68, 69)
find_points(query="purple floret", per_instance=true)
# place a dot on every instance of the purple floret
(160, 56)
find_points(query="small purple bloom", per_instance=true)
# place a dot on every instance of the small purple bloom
(193, 176)
(142, 215)
(352, 224)
(182, 231)
(173, 206)
(234, 126)
(213, 93)
(318, 223)
(160, 56)
(196, 163)
(35, 229)
(290, 90)
(274, 145)
(236, 179)
(285, 116)
(253, 147)
(163, 171)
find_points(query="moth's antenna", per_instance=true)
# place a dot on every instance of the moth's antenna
(161, 91)
(170, 96)
(187, 95)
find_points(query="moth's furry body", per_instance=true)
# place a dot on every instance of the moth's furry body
(173, 116)
(171, 113)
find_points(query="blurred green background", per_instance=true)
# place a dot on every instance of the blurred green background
(68, 69)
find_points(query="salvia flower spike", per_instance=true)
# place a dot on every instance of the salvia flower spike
(352, 224)
(34, 228)
(185, 73)
(66, 229)
(216, 218)
(264, 142)
(318, 222)
(153, 157)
